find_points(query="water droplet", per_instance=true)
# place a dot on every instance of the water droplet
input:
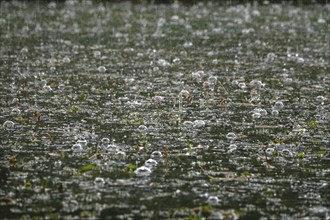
(231, 136)
(156, 155)
(142, 128)
(242, 85)
(70, 205)
(151, 163)
(99, 182)
(8, 125)
(176, 61)
(101, 69)
(77, 148)
(213, 200)
(187, 124)
(142, 171)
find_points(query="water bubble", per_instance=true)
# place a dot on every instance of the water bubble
(256, 115)
(198, 124)
(15, 111)
(8, 125)
(111, 148)
(232, 148)
(187, 124)
(97, 53)
(256, 84)
(120, 155)
(176, 61)
(142, 171)
(162, 62)
(151, 163)
(66, 59)
(158, 99)
(184, 94)
(213, 200)
(212, 80)
(275, 112)
(58, 163)
(105, 141)
(286, 153)
(198, 75)
(99, 182)
(142, 128)
(231, 136)
(270, 151)
(70, 205)
(187, 44)
(82, 142)
(278, 105)
(77, 148)
(101, 69)
(156, 155)
(242, 85)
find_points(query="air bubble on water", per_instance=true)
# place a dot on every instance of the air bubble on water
(105, 141)
(99, 182)
(213, 200)
(275, 112)
(320, 99)
(187, 124)
(120, 155)
(242, 85)
(82, 142)
(8, 125)
(162, 62)
(231, 136)
(176, 61)
(97, 53)
(257, 84)
(256, 115)
(142, 171)
(198, 75)
(15, 111)
(70, 205)
(77, 148)
(270, 151)
(156, 155)
(66, 59)
(101, 69)
(150, 163)
(143, 128)
(24, 51)
(58, 163)
(286, 153)
(187, 44)
(158, 99)
(184, 94)
(212, 80)
(199, 124)
(278, 105)
(111, 148)
(232, 148)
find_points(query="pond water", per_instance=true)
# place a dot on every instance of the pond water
(122, 110)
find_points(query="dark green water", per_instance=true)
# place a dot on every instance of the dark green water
(230, 102)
